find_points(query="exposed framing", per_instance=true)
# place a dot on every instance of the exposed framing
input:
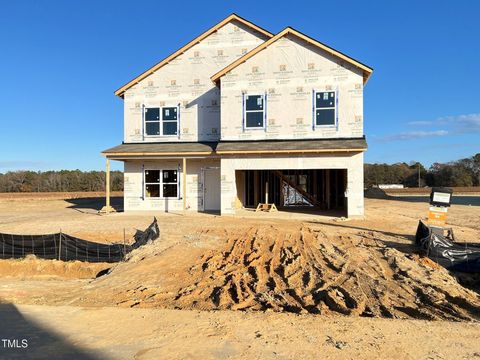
(324, 189)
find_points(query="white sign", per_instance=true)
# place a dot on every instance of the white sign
(441, 197)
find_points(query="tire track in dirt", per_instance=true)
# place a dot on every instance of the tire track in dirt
(302, 270)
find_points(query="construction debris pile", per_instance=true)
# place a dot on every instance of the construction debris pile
(443, 249)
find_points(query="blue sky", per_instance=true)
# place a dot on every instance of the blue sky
(60, 62)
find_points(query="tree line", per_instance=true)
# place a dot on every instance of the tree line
(463, 172)
(63, 180)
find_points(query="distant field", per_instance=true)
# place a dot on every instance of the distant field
(57, 195)
(473, 190)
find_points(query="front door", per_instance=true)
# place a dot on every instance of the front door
(211, 189)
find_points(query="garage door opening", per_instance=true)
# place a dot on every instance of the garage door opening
(322, 189)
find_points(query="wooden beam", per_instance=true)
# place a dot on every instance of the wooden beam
(266, 192)
(107, 183)
(305, 194)
(107, 208)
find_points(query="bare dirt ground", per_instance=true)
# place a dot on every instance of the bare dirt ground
(72, 332)
(302, 284)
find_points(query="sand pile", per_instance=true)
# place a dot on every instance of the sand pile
(306, 271)
(33, 268)
(300, 269)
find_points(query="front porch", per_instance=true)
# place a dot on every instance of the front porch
(167, 177)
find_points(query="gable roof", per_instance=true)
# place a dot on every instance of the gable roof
(367, 71)
(232, 17)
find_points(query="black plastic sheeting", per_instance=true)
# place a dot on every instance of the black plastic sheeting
(66, 247)
(463, 257)
(144, 237)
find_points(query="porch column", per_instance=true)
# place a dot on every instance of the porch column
(184, 184)
(107, 185)
(107, 208)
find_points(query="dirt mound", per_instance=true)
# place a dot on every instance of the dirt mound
(376, 193)
(33, 268)
(306, 271)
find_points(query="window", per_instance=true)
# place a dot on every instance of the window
(161, 121)
(161, 183)
(254, 111)
(152, 121)
(325, 109)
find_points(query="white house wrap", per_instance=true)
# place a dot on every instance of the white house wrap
(238, 113)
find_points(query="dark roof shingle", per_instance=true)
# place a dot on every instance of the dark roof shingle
(229, 147)
(309, 145)
(160, 148)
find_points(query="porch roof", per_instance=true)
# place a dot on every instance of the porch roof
(292, 146)
(161, 149)
(129, 150)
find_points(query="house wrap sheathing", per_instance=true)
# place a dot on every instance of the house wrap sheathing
(203, 141)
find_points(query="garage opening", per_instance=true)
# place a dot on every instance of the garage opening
(322, 189)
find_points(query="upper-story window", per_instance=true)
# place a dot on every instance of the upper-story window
(325, 108)
(254, 116)
(161, 121)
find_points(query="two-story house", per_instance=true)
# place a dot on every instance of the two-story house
(239, 113)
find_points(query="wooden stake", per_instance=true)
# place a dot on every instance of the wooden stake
(266, 192)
